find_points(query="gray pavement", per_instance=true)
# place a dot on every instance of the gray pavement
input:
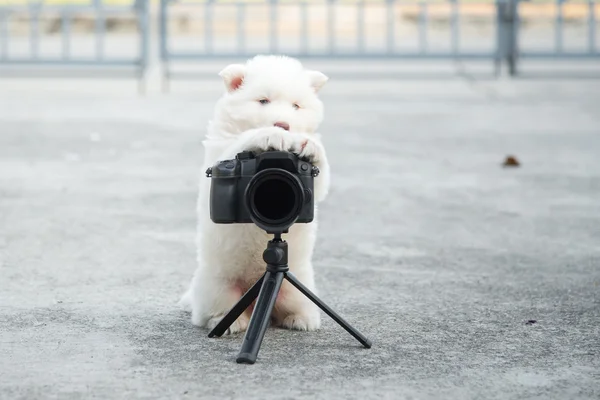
(427, 245)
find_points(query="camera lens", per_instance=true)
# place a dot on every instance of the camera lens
(274, 198)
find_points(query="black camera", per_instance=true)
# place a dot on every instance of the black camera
(273, 189)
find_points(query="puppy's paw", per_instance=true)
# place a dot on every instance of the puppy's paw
(273, 138)
(239, 325)
(309, 150)
(302, 322)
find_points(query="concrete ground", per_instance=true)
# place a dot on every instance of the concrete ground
(427, 245)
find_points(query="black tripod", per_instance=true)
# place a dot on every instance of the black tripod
(266, 289)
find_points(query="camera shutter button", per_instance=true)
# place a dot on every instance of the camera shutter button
(304, 167)
(229, 166)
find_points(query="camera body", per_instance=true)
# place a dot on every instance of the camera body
(273, 189)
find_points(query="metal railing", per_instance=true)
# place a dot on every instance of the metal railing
(388, 48)
(331, 43)
(196, 30)
(510, 36)
(15, 50)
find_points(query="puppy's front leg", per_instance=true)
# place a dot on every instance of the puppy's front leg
(212, 298)
(306, 145)
(259, 140)
(295, 311)
(313, 150)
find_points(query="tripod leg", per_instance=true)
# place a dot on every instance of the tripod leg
(261, 317)
(237, 310)
(305, 291)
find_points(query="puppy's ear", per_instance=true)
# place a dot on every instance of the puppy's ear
(233, 76)
(317, 79)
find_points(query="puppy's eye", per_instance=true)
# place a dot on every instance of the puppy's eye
(264, 101)
(296, 106)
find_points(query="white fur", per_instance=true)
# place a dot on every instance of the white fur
(230, 255)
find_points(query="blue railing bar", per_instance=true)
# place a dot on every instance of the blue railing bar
(331, 25)
(43, 8)
(592, 27)
(193, 56)
(65, 28)
(558, 28)
(203, 3)
(304, 26)
(455, 26)
(563, 55)
(125, 62)
(360, 26)
(143, 14)
(4, 18)
(423, 16)
(208, 29)
(273, 26)
(100, 30)
(391, 24)
(164, 29)
(500, 36)
(241, 27)
(513, 39)
(34, 34)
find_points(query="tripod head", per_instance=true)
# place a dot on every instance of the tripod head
(276, 254)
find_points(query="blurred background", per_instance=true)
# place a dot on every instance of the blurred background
(102, 36)
(461, 233)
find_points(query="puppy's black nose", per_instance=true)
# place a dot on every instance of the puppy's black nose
(283, 125)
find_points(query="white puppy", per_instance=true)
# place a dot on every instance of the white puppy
(270, 103)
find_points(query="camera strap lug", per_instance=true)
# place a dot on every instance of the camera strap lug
(315, 171)
(209, 172)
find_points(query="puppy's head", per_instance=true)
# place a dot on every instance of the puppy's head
(270, 91)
